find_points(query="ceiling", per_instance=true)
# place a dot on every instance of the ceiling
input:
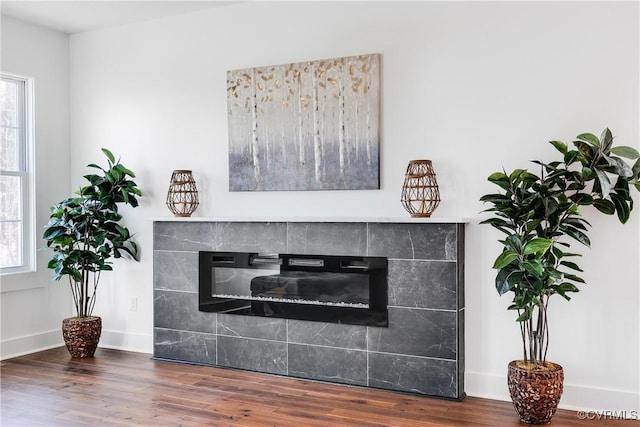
(87, 15)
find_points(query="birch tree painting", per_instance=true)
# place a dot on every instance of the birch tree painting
(305, 126)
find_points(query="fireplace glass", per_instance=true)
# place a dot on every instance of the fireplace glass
(329, 288)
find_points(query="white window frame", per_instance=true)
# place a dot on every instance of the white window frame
(27, 172)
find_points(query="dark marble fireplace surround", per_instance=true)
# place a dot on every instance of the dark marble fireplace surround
(421, 352)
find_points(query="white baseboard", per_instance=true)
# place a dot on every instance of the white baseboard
(20, 346)
(139, 343)
(581, 398)
(574, 397)
(486, 386)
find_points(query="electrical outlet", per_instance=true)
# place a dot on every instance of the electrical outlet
(133, 304)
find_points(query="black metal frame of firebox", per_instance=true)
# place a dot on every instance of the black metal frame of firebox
(375, 268)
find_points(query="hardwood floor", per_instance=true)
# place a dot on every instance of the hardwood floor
(117, 388)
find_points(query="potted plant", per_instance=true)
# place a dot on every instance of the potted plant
(540, 215)
(85, 233)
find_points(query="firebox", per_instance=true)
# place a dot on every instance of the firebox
(328, 288)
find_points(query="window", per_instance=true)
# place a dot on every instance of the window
(17, 243)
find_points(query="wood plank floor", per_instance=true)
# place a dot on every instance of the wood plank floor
(117, 388)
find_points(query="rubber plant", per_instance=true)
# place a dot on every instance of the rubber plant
(85, 233)
(541, 215)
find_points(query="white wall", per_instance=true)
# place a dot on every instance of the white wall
(472, 86)
(33, 306)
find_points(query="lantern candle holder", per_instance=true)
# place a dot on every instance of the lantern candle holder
(420, 193)
(182, 198)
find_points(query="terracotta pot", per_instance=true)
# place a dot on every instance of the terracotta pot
(535, 392)
(81, 335)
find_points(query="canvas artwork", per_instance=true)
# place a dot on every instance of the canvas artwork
(305, 126)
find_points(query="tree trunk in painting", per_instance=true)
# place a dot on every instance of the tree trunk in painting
(283, 107)
(254, 128)
(317, 152)
(341, 133)
(301, 153)
(367, 87)
(283, 140)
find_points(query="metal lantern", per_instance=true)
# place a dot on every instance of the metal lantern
(182, 198)
(420, 194)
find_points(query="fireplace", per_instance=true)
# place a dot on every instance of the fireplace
(337, 289)
(420, 351)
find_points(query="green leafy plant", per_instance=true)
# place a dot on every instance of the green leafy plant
(84, 232)
(540, 215)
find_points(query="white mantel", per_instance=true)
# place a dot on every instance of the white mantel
(351, 219)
